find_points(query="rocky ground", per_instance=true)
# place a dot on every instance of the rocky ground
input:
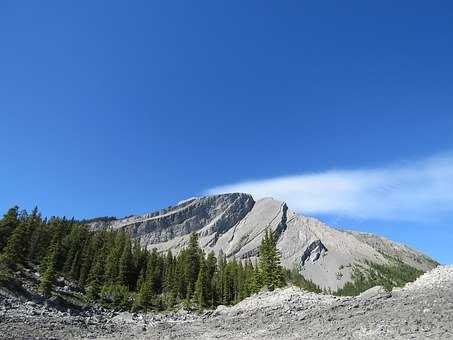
(421, 310)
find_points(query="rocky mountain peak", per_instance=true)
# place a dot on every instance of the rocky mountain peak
(235, 223)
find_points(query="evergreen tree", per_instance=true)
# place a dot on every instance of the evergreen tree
(141, 280)
(248, 277)
(256, 281)
(92, 245)
(40, 240)
(46, 283)
(8, 224)
(181, 274)
(220, 279)
(227, 284)
(152, 284)
(48, 267)
(242, 286)
(55, 249)
(72, 244)
(192, 263)
(108, 265)
(74, 273)
(35, 225)
(113, 258)
(139, 261)
(125, 270)
(170, 286)
(270, 267)
(211, 268)
(298, 280)
(96, 278)
(201, 286)
(17, 246)
(146, 295)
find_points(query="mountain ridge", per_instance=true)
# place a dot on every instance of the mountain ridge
(234, 224)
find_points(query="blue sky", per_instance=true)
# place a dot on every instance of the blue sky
(115, 108)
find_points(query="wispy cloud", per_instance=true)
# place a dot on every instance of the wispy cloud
(412, 191)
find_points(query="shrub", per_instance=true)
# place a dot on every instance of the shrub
(116, 296)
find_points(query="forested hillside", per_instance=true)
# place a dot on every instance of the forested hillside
(114, 271)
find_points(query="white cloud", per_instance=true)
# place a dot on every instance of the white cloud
(412, 191)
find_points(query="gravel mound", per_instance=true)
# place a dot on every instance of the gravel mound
(440, 278)
(422, 309)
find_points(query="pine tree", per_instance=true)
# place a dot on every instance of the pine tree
(40, 240)
(219, 279)
(227, 284)
(72, 244)
(211, 268)
(48, 267)
(141, 280)
(153, 272)
(201, 286)
(92, 245)
(271, 270)
(146, 295)
(139, 261)
(126, 266)
(34, 224)
(8, 224)
(46, 283)
(17, 246)
(96, 278)
(169, 273)
(55, 248)
(181, 283)
(192, 263)
(248, 277)
(170, 287)
(152, 284)
(243, 290)
(75, 266)
(256, 282)
(113, 258)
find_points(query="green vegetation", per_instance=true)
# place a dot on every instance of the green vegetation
(116, 272)
(271, 270)
(299, 281)
(104, 219)
(394, 275)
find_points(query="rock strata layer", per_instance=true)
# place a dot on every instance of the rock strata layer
(235, 223)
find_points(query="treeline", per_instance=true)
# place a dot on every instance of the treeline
(116, 271)
(388, 276)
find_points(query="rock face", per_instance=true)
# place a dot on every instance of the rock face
(396, 250)
(235, 224)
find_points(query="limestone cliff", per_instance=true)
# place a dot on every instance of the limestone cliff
(235, 223)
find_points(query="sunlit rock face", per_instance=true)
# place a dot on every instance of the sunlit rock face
(235, 224)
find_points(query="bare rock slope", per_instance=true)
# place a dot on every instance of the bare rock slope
(234, 224)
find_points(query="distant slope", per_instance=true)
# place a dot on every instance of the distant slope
(396, 250)
(234, 224)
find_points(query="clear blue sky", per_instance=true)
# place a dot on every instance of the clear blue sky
(118, 108)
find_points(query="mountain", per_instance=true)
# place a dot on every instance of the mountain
(235, 223)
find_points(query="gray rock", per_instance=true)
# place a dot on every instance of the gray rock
(373, 292)
(235, 223)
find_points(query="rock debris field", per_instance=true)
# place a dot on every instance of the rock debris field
(421, 310)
